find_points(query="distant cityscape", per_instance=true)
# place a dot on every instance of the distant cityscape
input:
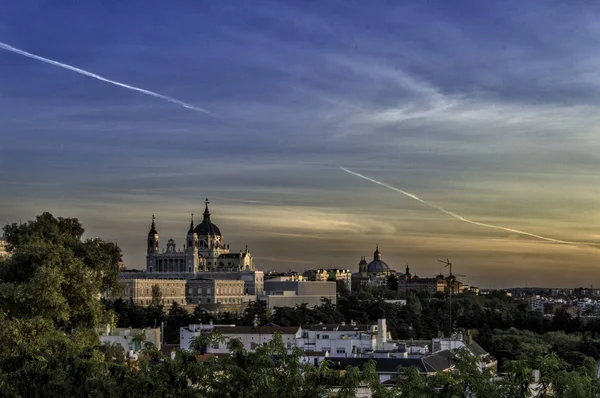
(208, 278)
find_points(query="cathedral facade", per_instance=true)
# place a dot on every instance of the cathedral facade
(203, 251)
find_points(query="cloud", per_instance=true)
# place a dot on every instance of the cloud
(492, 108)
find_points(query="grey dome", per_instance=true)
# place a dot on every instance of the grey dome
(206, 227)
(378, 266)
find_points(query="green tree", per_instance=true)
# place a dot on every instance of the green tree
(53, 281)
(176, 318)
(157, 296)
(200, 343)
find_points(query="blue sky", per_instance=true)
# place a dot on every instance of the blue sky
(489, 109)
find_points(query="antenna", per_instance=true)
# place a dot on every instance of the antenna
(448, 264)
(452, 279)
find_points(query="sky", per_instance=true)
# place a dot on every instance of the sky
(487, 109)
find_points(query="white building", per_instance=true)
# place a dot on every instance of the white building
(251, 337)
(129, 338)
(318, 341)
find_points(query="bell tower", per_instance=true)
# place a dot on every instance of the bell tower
(191, 248)
(362, 266)
(153, 241)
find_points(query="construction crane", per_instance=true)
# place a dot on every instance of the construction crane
(450, 290)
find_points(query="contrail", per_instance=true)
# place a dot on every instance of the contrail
(458, 216)
(104, 79)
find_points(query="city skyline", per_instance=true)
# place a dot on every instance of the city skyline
(488, 111)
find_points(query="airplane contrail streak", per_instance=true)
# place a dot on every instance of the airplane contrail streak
(104, 79)
(458, 216)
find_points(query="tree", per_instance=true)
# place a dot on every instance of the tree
(138, 340)
(53, 280)
(342, 288)
(200, 343)
(412, 384)
(157, 297)
(392, 282)
(176, 318)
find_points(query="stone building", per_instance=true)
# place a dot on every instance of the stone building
(205, 255)
(203, 264)
(416, 284)
(140, 290)
(204, 251)
(218, 294)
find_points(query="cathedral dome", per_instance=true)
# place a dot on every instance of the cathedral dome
(206, 227)
(378, 266)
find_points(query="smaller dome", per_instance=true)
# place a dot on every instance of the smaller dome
(376, 254)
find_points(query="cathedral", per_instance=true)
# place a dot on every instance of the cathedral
(204, 251)
(377, 274)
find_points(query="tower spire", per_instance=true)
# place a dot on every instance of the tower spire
(191, 224)
(206, 211)
(153, 227)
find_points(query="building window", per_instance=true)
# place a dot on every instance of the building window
(341, 350)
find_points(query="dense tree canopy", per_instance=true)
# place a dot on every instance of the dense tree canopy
(52, 282)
